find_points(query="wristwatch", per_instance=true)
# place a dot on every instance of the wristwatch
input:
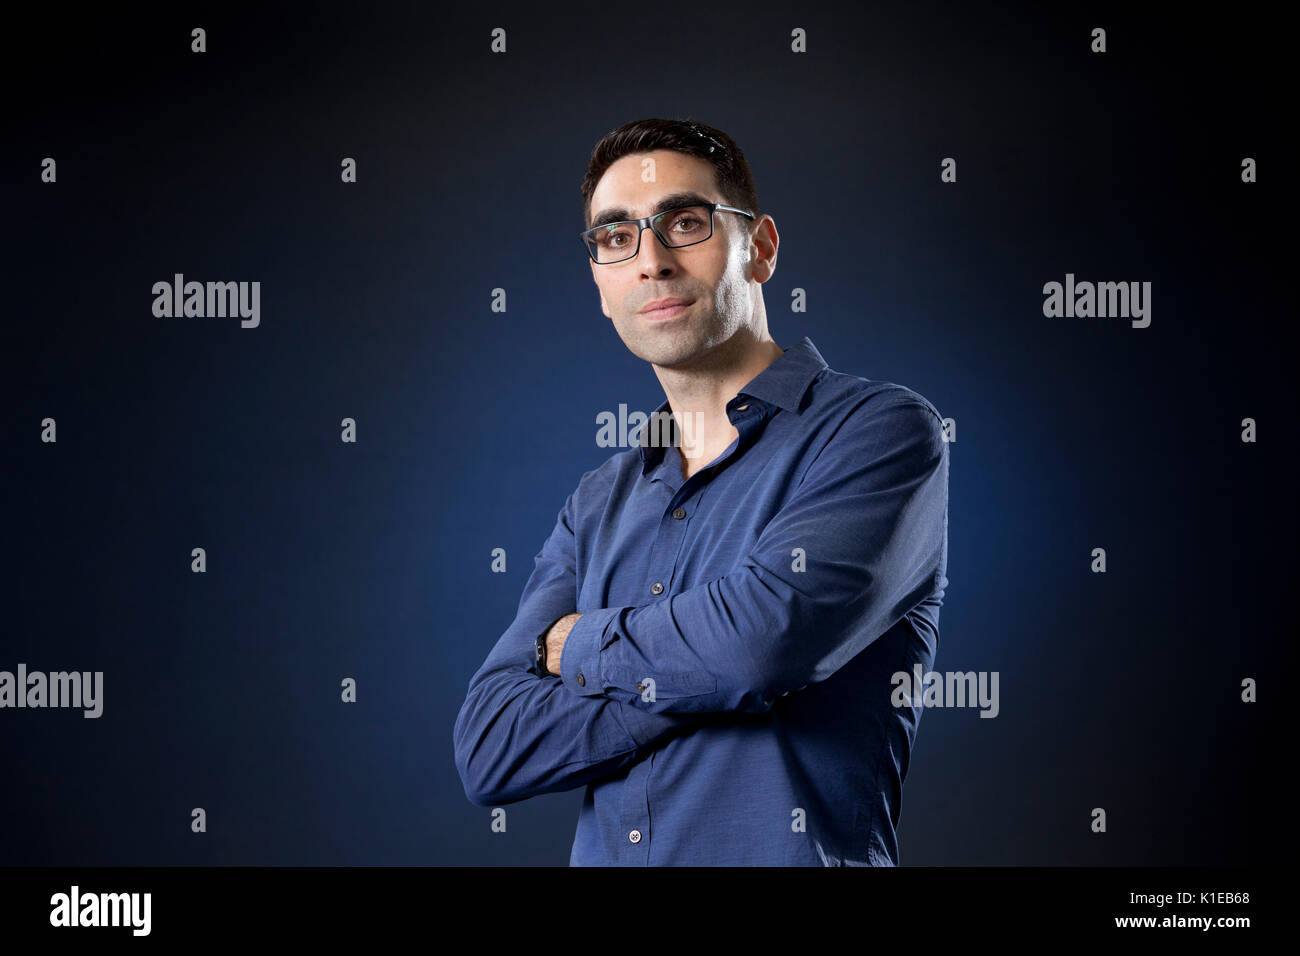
(541, 652)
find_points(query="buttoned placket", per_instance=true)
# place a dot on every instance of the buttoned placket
(684, 502)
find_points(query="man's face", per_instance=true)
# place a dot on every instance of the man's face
(714, 275)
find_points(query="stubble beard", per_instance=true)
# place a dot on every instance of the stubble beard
(690, 338)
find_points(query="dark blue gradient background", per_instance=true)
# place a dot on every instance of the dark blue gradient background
(372, 560)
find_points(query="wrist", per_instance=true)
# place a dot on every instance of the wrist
(553, 644)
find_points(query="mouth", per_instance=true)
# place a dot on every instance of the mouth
(667, 309)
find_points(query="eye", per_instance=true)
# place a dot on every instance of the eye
(610, 238)
(688, 222)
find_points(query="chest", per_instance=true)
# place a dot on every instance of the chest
(652, 540)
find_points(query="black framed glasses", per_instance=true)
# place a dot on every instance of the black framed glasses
(682, 226)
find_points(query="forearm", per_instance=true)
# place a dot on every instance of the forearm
(519, 734)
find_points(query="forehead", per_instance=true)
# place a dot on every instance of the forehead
(624, 185)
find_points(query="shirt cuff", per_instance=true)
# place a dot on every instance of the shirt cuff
(580, 658)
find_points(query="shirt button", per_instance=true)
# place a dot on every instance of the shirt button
(679, 514)
(657, 589)
(582, 681)
(635, 836)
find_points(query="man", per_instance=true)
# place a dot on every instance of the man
(708, 638)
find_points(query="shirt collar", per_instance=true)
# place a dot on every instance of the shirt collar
(783, 384)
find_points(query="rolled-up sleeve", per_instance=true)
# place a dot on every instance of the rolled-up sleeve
(520, 733)
(861, 541)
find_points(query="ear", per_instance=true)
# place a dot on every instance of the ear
(762, 262)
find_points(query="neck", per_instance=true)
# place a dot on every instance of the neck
(698, 393)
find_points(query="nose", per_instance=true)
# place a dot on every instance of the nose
(654, 258)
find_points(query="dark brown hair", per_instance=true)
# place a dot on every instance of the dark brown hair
(735, 181)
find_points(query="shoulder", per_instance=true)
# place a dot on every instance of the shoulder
(848, 407)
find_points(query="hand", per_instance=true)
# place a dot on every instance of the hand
(555, 639)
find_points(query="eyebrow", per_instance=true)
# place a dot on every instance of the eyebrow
(619, 213)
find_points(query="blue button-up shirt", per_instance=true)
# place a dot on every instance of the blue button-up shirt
(728, 695)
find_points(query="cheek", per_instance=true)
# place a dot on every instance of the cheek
(735, 265)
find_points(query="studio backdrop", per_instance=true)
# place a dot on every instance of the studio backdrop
(275, 538)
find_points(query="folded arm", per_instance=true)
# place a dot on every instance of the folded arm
(870, 518)
(519, 732)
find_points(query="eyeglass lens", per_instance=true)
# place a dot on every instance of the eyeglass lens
(677, 227)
